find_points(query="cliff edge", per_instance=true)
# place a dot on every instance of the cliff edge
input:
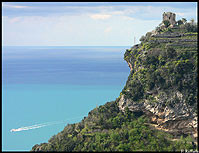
(163, 79)
(156, 110)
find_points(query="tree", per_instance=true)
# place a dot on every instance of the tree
(148, 34)
(184, 20)
(179, 22)
(166, 23)
(158, 29)
(192, 21)
(171, 52)
(142, 38)
(191, 28)
(123, 147)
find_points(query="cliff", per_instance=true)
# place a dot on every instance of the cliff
(156, 110)
(163, 80)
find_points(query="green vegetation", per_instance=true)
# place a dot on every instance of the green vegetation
(162, 65)
(170, 66)
(166, 23)
(113, 132)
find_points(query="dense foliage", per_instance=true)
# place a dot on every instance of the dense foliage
(163, 64)
(105, 131)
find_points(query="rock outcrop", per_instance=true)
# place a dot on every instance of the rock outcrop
(169, 107)
(178, 119)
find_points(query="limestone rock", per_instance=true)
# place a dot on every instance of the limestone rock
(178, 118)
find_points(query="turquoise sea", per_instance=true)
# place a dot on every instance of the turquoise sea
(43, 84)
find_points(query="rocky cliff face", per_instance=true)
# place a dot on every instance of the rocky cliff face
(163, 80)
(178, 120)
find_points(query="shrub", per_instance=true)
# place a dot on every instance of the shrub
(166, 23)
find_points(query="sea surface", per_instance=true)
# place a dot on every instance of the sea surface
(47, 84)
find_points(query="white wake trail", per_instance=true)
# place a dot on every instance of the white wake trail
(40, 125)
(34, 126)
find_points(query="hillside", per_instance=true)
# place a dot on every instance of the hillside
(157, 108)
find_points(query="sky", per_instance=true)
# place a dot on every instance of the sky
(85, 23)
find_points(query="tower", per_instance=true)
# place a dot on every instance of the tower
(171, 17)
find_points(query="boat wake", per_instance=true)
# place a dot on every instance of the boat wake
(39, 125)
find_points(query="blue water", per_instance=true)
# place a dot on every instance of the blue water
(45, 84)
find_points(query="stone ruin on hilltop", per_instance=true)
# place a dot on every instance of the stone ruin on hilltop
(171, 17)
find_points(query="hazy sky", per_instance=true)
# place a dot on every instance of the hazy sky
(85, 24)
